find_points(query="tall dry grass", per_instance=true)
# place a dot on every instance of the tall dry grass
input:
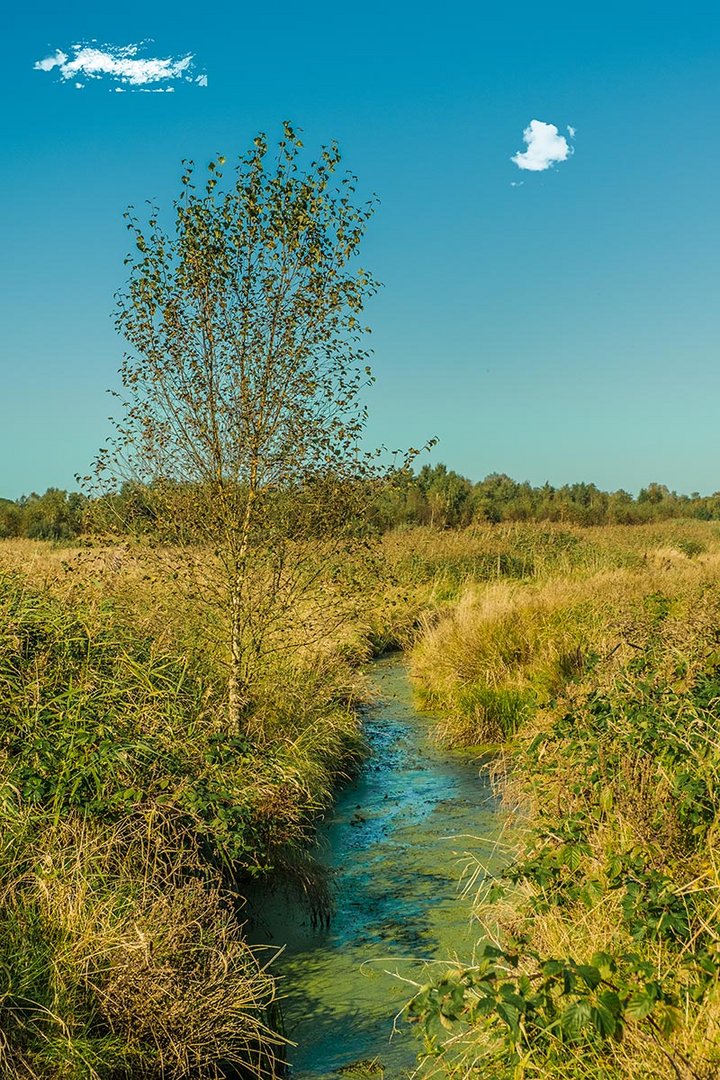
(601, 682)
(504, 648)
(133, 817)
(121, 958)
(134, 821)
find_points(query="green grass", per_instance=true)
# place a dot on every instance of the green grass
(132, 821)
(603, 957)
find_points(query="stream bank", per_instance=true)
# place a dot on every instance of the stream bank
(397, 842)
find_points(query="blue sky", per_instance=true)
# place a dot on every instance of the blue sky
(565, 328)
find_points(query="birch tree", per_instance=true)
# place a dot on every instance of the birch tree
(241, 388)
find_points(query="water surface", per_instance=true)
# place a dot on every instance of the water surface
(398, 840)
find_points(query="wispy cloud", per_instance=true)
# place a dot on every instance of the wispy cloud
(121, 64)
(545, 147)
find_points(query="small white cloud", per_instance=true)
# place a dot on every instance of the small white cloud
(121, 64)
(571, 131)
(545, 147)
(79, 85)
(51, 62)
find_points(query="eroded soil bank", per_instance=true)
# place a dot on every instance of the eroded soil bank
(400, 841)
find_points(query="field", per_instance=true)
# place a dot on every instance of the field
(585, 662)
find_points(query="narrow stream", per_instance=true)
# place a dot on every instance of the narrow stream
(398, 841)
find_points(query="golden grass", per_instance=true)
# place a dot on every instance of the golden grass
(516, 645)
(508, 622)
(124, 961)
(629, 616)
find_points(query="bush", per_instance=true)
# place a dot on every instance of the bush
(133, 819)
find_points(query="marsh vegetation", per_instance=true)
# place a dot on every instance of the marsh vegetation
(599, 682)
(136, 819)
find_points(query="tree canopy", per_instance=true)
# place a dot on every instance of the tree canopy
(241, 405)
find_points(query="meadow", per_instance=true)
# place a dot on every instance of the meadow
(584, 662)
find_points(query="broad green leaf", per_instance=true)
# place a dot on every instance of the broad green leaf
(576, 1017)
(639, 1005)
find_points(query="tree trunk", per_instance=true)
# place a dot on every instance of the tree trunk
(238, 698)
(237, 684)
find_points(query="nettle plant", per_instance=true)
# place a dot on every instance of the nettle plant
(555, 1002)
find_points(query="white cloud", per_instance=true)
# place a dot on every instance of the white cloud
(545, 147)
(51, 62)
(120, 64)
(571, 131)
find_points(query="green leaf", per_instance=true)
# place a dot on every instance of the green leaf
(669, 1019)
(589, 974)
(603, 1021)
(507, 993)
(610, 1001)
(604, 963)
(576, 1017)
(639, 1005)
(511, 1016)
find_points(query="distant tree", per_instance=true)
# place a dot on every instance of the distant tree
(493, 495)
(653, 493)
(56, 515)
(10, 519)
(621, 509)
(446, 494)
(242, 412)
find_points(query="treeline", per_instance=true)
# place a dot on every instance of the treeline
(439, 497)
(434, 496)
(56, 515)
